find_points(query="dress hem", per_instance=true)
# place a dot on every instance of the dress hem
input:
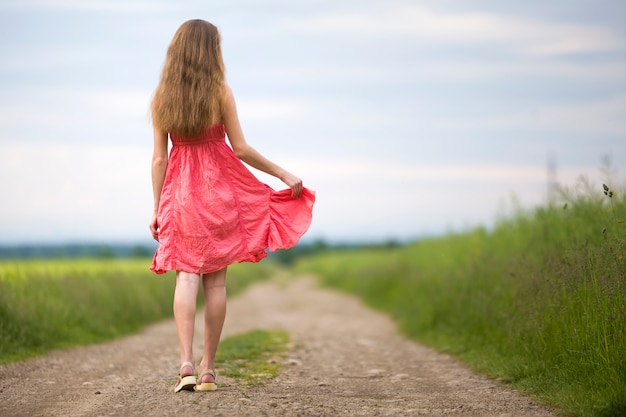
(207, 270)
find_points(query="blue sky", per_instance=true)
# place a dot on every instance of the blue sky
(408, 118)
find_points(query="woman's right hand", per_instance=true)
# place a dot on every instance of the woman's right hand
(294, 183)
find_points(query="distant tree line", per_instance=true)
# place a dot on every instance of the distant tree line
(287, 257)
(106, 251)
(75, 250)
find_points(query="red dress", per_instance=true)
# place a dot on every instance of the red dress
(214, 212)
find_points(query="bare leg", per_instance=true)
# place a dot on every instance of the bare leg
(214, 286)
(185, 314)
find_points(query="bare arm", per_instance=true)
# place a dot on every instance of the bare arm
(250, 155)
(159, 166)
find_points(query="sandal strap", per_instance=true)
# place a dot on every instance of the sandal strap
(187, 364)
(208, 372)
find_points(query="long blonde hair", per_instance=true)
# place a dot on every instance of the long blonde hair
(189, 95)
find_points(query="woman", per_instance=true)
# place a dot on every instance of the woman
(209, 210)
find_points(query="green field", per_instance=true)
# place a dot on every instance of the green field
(539, 301)
(49, 304)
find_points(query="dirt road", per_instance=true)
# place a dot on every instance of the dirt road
(345, 360)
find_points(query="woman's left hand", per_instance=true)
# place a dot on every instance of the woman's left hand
(154, 227)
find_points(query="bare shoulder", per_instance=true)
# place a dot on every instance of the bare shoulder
(231, 119)
(227, 92)
(229, 107)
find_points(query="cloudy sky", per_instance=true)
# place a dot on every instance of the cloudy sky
(409, 118)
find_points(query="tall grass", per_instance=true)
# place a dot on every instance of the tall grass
(50, 304)
(539, 301)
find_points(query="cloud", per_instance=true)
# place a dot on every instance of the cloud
(271, 109)
(592, 116)
(527, 36)
(76, 191)
(71, 115)
(605, 116)
(380, 171)
(43, 58)
(85, 5)
(112, 105)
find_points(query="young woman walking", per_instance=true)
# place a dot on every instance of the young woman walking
(209, 210)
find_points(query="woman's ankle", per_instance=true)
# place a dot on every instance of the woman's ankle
(186, 369)
(207, 377)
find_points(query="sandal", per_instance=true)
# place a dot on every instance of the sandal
(208, 385)
(187, 382)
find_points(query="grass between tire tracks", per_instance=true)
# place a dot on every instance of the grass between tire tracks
(538, 302)
(253, 357)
